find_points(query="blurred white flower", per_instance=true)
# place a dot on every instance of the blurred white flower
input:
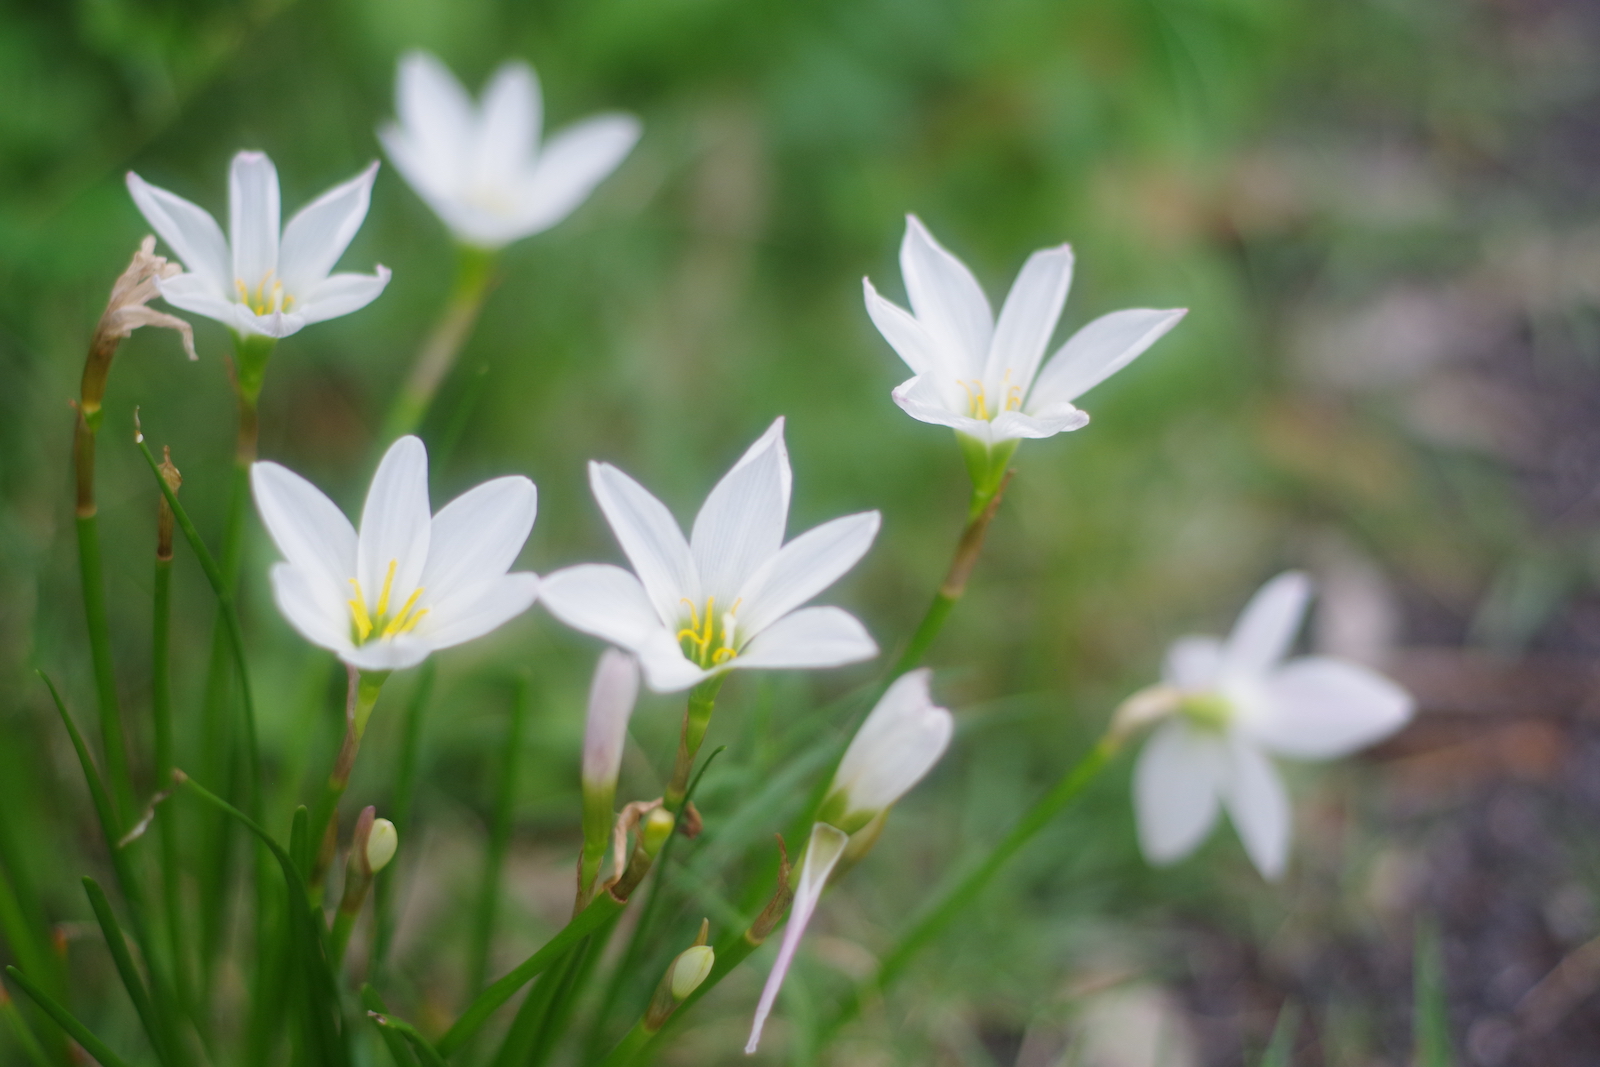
(410, 583)
(977, 375)
(611, 698)
(252, 281)
(1238, 702)
(726, 598)
(480, 167)
(901, 740)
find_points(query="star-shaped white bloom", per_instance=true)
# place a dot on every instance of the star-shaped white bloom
(480, 167)
(1239, 702)
(410, 583)
(978, 376)
(253, 281)
(726, 598)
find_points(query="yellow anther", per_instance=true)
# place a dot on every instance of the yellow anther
(722, 655)
(1013, 392)
(400, 624)
(358, 610)
(388, 583)
(977, 407)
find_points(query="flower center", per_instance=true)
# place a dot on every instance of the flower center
(978, 401)
(364, 623)
(697, 638)
(1209, 711)
(266, 298)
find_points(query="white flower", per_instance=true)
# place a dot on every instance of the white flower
(977, 375)
(823, 851)
(251, 281)
(1239, 702)
(611, 698)
(481, 167)
(901, 740)
(725, 598)
(409, 584)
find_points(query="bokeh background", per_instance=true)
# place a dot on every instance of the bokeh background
(1383, 216)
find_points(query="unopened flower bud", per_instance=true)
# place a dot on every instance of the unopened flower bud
(381, 845)
(655, 831)
(901, 740)
(690, 969)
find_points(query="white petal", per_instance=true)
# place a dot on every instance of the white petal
(193, 292)
(1318, 708)
(189, 230)
(805, 567)
(395, 523)
(465, 613)
(897, 745)
(1267, 626)
(611, 604)
(1027, 320)
(905, 334)
(340, 294)
(921, 399)
(437, 115)
(1098, 351)
(509, 120)
(1048, 422)
(477, 536)
(1193, 663)
(395, 654)
(741, 524)
(1259, 808)
(308, 528)
(822, 855)
(810, 637)
(946, 299)
(278, 324)
(320, 232)
(612, 695)
(253, 219)
(649, 537)
(572, 163)
(312, 606)
(1175, 790)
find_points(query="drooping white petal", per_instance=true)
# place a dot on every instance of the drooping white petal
(319, 233)
(1047, 422)
(436, 114)
(923, 400)
(810, 637)
(509, 120)
(459, 614)
(308, 528)
(312, 606)
(191, 233)
(1258, 806)
(897, 745)
(741, 524)
(253, 218)
(649, 537)
(395, 524)
(612, 695)
(478, 535)
(1176, 782)
(193, 292)
(570, 165)
(805, 567)
(1098, 351)
(340, 294)
(1267, 626)
(1319, 708)
(1193, 663)
(947, 300)
(822, 855)
(905, 334)
(611, 604)
(1027, 320)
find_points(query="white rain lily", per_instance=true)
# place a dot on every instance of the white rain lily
(480, 167)
(897, 746)
(981, 377)
(255, 281)
(1238, 701)
(730, 595)
(612, 695)
(409, 583)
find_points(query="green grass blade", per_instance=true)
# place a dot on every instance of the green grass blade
(23, 1032)
(1432, 1015)
(396, 1043)
(425, 1052)
(155, 1027)
(1281, 1047)
(383, 890)
(65, 1019)
(499, 839)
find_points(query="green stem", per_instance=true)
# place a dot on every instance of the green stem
(696, 720)
(167, 828)
(734, 951)
(64, 1019)
(474, 272)
(499, 839)
(105, 683)
(399, 1051)
(405, 786)
(160, 1037)
(429, 1056)
(631, 1044)
(23, 1032)
(361, 697)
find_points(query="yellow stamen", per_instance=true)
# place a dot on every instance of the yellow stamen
(388, 583)
(722, 655)
(701, 641)
(977, 407)
(358, 609)
(1013, 392)
(400, 623)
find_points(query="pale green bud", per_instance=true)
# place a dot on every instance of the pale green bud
(381, 844)
(690, 969)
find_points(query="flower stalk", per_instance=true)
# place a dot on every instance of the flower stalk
(361, 696)
(475, 276)
(696, 720)
(161, 715)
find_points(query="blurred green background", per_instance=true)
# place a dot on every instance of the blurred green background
(1382, 215)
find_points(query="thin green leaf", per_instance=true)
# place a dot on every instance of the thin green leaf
(1281, 1046)
(154, 1027)
(64, 1019)
(426, 1052)
(23, 1032)
(399, 1050)
(1432, 1015)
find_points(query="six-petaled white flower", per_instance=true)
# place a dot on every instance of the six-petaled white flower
(1238, 701)
(481, 167)
(410, 583)
(253, 281)
(982, 377)
(726, 597)
(901, 740)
